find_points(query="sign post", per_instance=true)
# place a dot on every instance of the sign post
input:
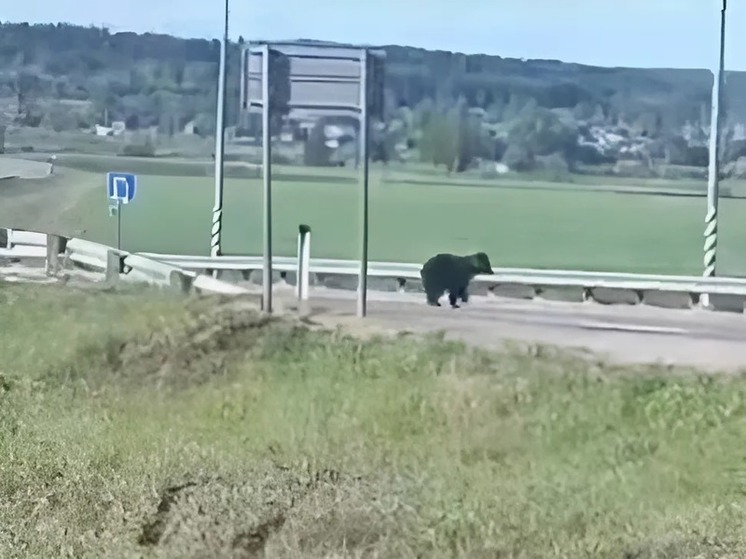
(319, 80)
(120, 189)
(362, 282)
(267, 176)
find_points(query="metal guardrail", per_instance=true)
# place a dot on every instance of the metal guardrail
(528, 277)
(138, 268)
(185, 270)
(101, 258)
(22, 244)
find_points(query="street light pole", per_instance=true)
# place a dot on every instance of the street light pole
(217, 210)
(713, 182)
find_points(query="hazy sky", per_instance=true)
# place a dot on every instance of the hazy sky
(646, 33)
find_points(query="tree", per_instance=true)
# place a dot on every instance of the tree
(317, 153)
(26, 87)
(440, 140)
(61, 118)
(454, 138)
(495, 111)
(384, 141)
(166, 105)
(472, 140)
(422, 114)
(584, 110)
(517, 104)
(539, 132)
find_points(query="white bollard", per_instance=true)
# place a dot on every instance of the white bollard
(304, 261)
(52, 261)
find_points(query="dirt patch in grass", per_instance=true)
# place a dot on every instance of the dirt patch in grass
(271, 511)
(694, 546)
(216, 333)
(211, 336)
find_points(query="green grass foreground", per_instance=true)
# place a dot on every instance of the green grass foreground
(133, 425)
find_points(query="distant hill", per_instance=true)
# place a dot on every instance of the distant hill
(67, 76)
(142, 75)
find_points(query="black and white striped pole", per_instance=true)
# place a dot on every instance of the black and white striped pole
(217, 209)
(713, 182)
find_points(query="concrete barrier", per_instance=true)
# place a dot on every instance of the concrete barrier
(668, 299)
(563, 294)
(727, 303)
(514, 291)
(615, 296)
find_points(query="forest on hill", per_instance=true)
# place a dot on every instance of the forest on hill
(70, 77)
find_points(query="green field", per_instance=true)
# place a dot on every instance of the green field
(580, 225)
(203, 430)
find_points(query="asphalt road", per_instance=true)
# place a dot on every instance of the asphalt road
(713, 341)
(628, 334)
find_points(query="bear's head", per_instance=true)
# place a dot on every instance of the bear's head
(481, 263)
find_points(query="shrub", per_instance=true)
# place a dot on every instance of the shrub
(139, 150)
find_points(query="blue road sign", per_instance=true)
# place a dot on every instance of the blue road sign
(121, 187)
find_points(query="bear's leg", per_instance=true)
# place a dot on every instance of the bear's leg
(453, 298)
(432, 298)
(464, 294)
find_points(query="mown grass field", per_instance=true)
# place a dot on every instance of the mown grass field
(133, 425)
(581, 225)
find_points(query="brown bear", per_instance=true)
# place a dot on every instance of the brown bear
(449, 272)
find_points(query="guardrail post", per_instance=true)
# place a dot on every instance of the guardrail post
(304, 261)
(181, 281)
(114, 266)
(52, 264)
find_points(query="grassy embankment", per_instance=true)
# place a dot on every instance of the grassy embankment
(132, 425)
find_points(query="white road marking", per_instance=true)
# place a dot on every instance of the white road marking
(641, 328)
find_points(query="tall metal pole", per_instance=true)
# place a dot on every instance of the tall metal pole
(217, 209)
(119, 223)
(362, 294)
(713, 185)
(267, 172)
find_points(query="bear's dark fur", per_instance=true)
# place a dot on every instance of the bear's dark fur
(452, 273)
